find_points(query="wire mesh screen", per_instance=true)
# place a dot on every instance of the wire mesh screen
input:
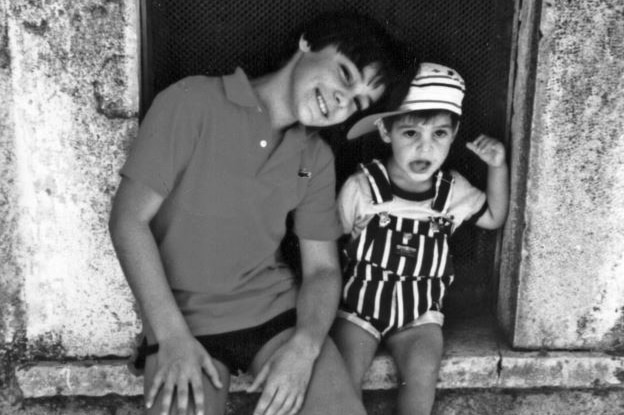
(214, 37)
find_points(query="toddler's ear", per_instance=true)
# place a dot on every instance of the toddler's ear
(383, 132)
(304, 45)
(456, 130)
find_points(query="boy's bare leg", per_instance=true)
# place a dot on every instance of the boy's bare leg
(357, 347)
(417, 352)
(329, 392)
(214, 399)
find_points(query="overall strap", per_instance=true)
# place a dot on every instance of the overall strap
(378, 180)
(444, 188)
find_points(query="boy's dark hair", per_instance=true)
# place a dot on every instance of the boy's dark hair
(364, 41)
(388, 122)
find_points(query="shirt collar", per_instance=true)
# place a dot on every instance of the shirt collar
(238, 89)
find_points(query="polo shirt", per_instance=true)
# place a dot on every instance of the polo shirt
(206, 145)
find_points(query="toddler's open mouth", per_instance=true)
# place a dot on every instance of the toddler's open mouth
(419, 166)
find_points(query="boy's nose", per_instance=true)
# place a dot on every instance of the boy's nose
(343, 98)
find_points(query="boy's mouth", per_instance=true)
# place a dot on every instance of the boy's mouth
(419, 166)
(321, 103)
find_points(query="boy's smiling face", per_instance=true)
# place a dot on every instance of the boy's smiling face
(327, 87)
(419, 148)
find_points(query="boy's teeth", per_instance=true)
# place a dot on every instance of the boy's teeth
(321, 103)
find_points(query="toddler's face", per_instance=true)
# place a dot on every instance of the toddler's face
(419, 146)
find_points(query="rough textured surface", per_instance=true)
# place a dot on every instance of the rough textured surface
(74, 97)
(68, 104)
(473, 359)
(457, 402)
(571, 292)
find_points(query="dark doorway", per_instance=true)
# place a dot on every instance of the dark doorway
(191, 37)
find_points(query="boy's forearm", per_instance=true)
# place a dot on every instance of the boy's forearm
(316, 308)
(142, 266)
(498, 193)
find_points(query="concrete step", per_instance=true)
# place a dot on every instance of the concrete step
(476, 362)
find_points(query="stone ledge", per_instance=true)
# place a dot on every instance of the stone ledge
(474, 358)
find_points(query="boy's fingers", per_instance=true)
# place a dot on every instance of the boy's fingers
(167, 395)
(288, 405)
(156, 384)
(182, 397)
(277, 404)
(265, 400)
(198, 395)
(259, 380)
(212, 372)
(297, 406)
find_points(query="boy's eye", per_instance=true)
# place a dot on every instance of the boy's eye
(358, 104)
(346, 75)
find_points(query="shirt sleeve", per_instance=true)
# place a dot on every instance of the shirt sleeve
(354, 195)
(316, 217)
(166, 137)
(469, 202)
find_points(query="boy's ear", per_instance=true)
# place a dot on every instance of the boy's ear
(304, 45)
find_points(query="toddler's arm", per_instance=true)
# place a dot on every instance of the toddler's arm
(492, 152)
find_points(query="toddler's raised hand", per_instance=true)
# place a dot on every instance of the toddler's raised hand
(489, 149)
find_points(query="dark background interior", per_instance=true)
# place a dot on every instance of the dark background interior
(191, 37)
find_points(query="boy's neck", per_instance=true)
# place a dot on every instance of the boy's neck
(274, 92)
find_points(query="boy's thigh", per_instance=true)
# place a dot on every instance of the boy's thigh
(214, 399)
(330, 391)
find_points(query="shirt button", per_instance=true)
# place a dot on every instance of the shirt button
(263, 143)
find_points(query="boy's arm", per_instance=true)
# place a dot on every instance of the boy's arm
(180, 358)
(492, 152)
(290, 368)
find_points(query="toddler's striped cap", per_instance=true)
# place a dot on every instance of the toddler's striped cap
(434, 87)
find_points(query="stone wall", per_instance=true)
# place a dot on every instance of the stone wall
(68, 112)
(568, 262)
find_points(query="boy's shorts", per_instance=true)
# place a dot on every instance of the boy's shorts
(235, 349)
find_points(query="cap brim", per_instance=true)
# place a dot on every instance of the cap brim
(367, 124)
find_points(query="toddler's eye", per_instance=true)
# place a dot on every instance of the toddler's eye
(409, 133)
(441, 133)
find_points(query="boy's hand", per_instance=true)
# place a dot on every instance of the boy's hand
(285, 376)
(181, 360)
(488, 149)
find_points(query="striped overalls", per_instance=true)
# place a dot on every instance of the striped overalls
(398, 268)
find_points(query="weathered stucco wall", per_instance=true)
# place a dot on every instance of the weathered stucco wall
(68, 110)
(69, 77)
(571, 282)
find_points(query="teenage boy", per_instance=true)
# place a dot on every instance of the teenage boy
(201, 210)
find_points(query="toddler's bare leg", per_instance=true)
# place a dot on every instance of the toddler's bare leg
(214, 399)
(357, 347)
(417, 352)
